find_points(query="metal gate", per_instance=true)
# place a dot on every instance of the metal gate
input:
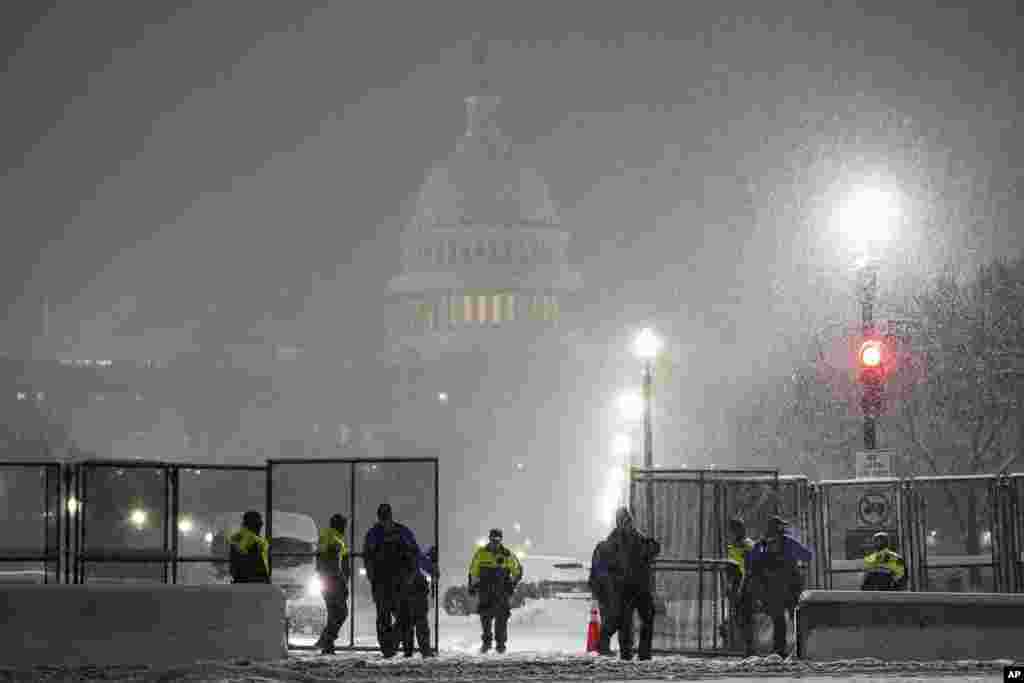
(691, 510)
(30, 495)
(318, 488)
(851, 512)
(156, 522)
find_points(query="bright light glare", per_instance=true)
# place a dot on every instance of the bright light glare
(362, 571)
(871, 354)
(867, 216)
(73, 505)
(442, 397)
(185, 525)
(518, 527)
(481, 542)
(647, 344)
(986, 538)
(138, 518)
(208, 537)
(612, 497)
(622, 445)
(631, 406)
(313, 587)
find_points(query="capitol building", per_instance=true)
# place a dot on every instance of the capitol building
(484, 255)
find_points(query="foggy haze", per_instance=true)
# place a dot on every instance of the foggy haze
(223, 182)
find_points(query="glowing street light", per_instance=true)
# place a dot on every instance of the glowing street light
(647, 345)
(185, 525)
(138, 518)
(73, 506)
(208, 537)
(867, 217)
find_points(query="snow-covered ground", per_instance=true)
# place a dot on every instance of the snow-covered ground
(546, 643)
(550, 626)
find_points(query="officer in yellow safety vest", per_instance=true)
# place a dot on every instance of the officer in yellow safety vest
(332, 565)
(884, 569)
(736, 550)
(494, 572)
(248, 551)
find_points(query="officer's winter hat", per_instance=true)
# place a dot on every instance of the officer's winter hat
(495, 534)
(338, 521)
(384, 512)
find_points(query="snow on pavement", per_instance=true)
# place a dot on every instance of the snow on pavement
(460, 667)
(546, 643)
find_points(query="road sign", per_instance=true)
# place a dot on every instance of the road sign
(875, 464)
(874, 508)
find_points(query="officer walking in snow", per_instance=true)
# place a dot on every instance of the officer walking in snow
(494, 573)
(332, 565)
(629, 555)
(772, 578)
(247, 557)
(389, 555)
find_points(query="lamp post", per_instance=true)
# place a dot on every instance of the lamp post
(646, 346)
(866, 217)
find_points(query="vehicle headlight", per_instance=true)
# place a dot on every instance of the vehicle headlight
(314, 587)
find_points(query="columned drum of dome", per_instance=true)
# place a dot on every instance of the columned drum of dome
(484, 249)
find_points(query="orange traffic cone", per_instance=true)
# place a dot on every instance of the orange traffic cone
(593, 631)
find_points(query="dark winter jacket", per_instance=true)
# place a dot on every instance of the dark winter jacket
(628, 556)
(390, 557)
(773, 573)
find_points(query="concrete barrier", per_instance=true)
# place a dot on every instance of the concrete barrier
(160, 625)
(909, 626)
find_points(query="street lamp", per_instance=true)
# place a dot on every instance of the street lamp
(867, 217)
(646, 346)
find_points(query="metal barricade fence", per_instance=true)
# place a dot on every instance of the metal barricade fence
(30, 496)
(691, 512)
(316, 488)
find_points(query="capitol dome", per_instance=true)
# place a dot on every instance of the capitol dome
(480, 183)
(483, 248)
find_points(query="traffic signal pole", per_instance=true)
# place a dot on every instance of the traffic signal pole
(871, 398)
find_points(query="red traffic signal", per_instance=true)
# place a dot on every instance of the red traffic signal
(871, 354)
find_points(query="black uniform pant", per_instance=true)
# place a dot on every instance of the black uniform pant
(777, 611)
(609, 623)
(392, 627)
(416, 609)
(494, 626)
(641, 601)
(336, 600)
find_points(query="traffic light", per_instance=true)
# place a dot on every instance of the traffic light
(871, 354)
(872, 373)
